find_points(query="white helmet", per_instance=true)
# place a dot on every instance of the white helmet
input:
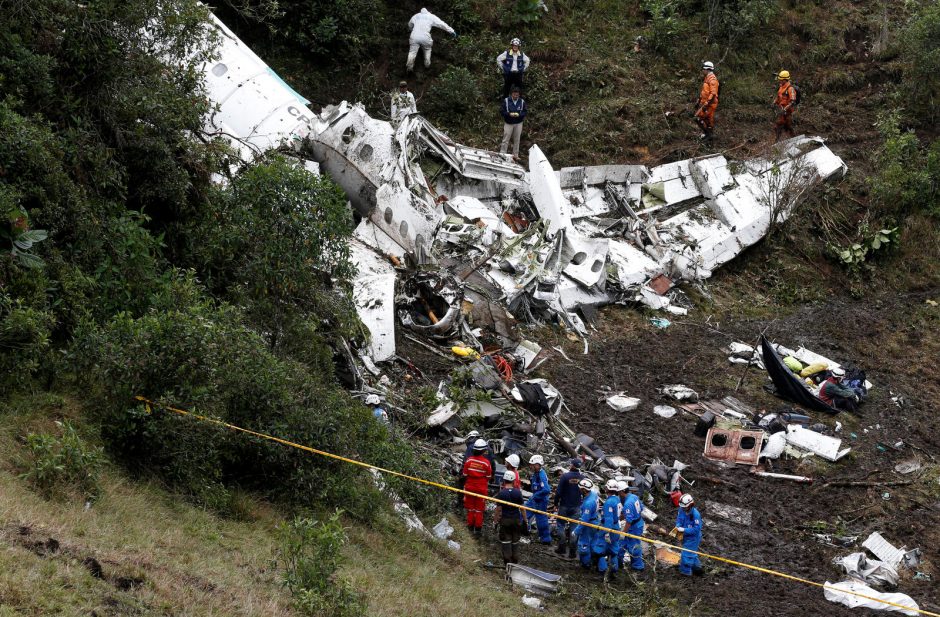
(838, 372)
(515, 41)
(536, 460)
(513, 460)
(473, 435)
(685, 501)
(708, 65)
(612, 486)
(480, 444)
(373, 399)
(509, 476)
(622, 485)
(585, 484)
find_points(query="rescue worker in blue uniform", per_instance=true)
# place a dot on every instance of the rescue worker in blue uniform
(689, 525)
(607, 545)
(633, 515)
(567, 503)
(541, 491)
(588, 514)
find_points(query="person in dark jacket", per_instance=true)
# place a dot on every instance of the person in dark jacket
(567, 502)
(833, 393)
(510, 519)
(514, 111)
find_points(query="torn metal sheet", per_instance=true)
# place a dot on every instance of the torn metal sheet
(870, 571)
(817, 443)
(257, 110)
(550, 244)
(430, 304)
(532, 580)
(374, 297)
(733, 446)
(883, 550)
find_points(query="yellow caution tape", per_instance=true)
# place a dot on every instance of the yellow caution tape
(150, 404)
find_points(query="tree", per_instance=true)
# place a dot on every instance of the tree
(920, 50)
(275, 241)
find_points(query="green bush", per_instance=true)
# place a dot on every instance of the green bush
(25, 333)
(666, 26)
(454, 94)
(203, 358)
(63, 463)
(919, 43)
(310, 554)
(325, 27)
(908, 176)
(273, 242)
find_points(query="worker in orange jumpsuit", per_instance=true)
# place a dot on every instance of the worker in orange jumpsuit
(784, 106)
(477, 470)
(707, 101)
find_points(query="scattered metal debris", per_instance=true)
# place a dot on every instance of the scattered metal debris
(870, 571)
(820, 445)
(883, 550)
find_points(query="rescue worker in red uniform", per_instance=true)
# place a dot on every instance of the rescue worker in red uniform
(784, 106)
(707, 101)
(477, 472)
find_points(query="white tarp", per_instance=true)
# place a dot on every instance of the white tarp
(901, 603)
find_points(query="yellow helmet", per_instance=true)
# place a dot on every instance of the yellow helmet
(783, 75)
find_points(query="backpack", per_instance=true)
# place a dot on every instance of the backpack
(799, 94)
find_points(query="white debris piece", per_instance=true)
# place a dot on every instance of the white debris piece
(534, 581)
(404, 511)
(883, 550)
(257, 110)
(817, 443)
(664, 411)
(742, 516)
(621, 403)
(870, 571)
(374, 297)
(836, 592)
(679, 392)
(443, 530)
(532, 602)
(546, 192)
(774, 445)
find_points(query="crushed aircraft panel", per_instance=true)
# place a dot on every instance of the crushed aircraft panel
(544, 243)
(257, 110)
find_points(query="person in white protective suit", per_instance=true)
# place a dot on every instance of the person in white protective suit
(420, 25)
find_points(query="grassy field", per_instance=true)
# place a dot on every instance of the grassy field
(141, 550)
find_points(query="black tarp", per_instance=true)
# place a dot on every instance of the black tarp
(788, 385)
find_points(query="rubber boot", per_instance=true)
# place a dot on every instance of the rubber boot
(572, 551)
(562, 547)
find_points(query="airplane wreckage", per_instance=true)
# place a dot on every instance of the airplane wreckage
(459, 240)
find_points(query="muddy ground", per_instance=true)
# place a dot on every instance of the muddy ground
(895, 340)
